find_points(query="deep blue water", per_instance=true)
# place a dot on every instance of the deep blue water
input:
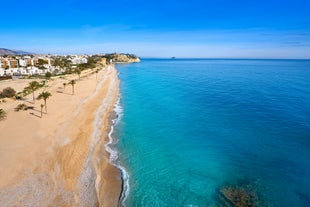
(192, 127)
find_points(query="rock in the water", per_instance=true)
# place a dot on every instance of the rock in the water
(235, 196)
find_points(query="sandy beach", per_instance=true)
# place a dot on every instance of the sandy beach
(59, 159)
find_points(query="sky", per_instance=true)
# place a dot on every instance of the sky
(159, 28)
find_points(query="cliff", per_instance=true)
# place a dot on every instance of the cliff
(122, 58)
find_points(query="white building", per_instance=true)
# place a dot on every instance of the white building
(1, 72)
(78, 60)
(34, 70)
(11, 71)
(22, 62)
(21, 66)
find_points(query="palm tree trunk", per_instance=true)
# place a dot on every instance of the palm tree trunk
(33, 99)
(41, 112)
(45, 105)
(73, 89)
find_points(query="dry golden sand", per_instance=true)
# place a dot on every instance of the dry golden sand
(60, 159)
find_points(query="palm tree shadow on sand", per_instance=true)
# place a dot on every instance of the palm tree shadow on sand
(64, 92)
(31, 113)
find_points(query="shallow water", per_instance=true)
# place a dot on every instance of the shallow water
(191, 127)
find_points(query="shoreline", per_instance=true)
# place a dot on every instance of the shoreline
(67, 163)
(114, 154)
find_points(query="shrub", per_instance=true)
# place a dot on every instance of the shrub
(21, 107)
(48, 75)
(7, 93)
(2, 114)
(19, 96)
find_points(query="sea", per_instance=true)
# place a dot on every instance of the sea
(214, 132)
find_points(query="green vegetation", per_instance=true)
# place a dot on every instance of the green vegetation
(19, 96)
(44, 95)
(62, 62)
(78, 72)
(2, 114)
(65, 63)
(72, 83)
(115, 57)
(91, 63)
(131, 56)
(48, 75)
(5, 77)
(23, 107)
(32, 87)
(8, 92)
(42, 62)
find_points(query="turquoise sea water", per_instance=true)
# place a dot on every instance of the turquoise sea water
(192, 127)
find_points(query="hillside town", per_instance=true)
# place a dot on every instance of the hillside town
(28, 65)
(18, 66)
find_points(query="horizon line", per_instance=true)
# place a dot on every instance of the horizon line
(227, 58)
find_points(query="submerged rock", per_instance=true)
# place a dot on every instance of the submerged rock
(238, 196)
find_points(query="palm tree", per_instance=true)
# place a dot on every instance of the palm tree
(32, 86)
(2, 114)
(57, 62)
(44, 95)
(72, 83)
(64, 84)
(78, 71)
(42, 105)
(67, 63)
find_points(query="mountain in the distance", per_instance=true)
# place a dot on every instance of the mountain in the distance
(4, 51)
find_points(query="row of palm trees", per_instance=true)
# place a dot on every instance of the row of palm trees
(45, 95)
(35, 85)
(32, 87)
(72, 83)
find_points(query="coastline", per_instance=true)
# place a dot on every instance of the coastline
(60, 159)
(114, 154)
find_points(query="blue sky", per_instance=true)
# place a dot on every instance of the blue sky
(192, 28)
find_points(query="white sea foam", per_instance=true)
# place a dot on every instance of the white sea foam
(114, 154)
